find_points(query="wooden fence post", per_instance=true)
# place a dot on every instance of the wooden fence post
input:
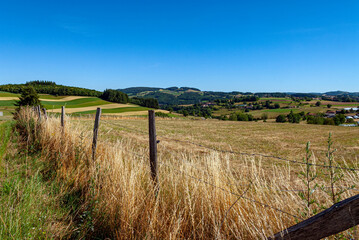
(39, 112)
(153, 147)
(62, 116)
(95, 133)
(45, 113)
(337, 218)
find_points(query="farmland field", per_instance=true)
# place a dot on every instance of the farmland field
(210, 183)
(73, 104)
(287, 105)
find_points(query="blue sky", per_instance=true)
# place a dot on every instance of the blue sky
(300, 46)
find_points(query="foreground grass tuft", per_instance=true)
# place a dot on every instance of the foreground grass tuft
(29, 204)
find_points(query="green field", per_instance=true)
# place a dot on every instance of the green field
(77, 103)
(47, 96)
(7, 94)
(8, 106)
(7, 103)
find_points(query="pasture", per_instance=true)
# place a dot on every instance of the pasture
(215, 180)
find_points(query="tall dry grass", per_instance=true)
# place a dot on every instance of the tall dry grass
(201, 195)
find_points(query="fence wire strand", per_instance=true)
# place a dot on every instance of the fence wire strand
(230, 192)
(237, 153)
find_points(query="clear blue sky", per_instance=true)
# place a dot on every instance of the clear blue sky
(301, 46)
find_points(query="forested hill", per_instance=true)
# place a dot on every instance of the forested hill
(48, 87)
(188, 95)
(179, 95)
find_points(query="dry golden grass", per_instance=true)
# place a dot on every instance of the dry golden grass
(197, 187)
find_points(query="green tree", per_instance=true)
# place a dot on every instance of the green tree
(293, 117)
(28, 97)
(339, 119)
(281, 118)
(329, 105)
(318, 104)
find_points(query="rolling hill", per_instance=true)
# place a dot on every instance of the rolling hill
(73, 104)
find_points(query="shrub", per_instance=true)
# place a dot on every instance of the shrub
(281, 118)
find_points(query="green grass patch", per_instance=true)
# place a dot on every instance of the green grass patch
(346, 105)
(7, 103)
(117, 110)
(77, 103)
(280, 110)
(48, 96)
(29, 206)
(7, 94)
(5, 133)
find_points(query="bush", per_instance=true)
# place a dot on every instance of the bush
(294, 117)
(281, 118)
(329, 121)
(339, 119)
(162, 114)
(315, 120)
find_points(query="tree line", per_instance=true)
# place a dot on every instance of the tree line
(48, 87)
(317, 119)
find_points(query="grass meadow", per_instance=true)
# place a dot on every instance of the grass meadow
(73, 104)
(202, 193)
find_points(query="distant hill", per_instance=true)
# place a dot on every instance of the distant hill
(189, 95)
(342, 93)
(178, 95)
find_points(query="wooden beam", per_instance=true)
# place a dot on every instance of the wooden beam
(62, 116)
(337, 218)
(95, 133)
(153, 147)
(45, 113)
(39, 112)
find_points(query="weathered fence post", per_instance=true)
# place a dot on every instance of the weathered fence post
(39, 112)
(153, 147)
(45, 113)
(95, 133)
(62, 116)
(337, 218)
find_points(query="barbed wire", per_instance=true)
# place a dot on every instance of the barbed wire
(125, 127)
(241, 153)
(225, 190)
(236, 184)
(259, 155)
